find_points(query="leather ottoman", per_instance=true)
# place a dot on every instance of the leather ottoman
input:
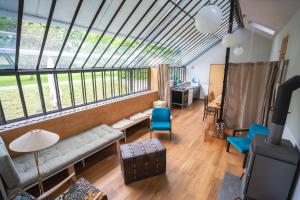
(142, 159)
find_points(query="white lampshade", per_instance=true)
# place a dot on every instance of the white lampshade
(229, 40)
(208, 19)
(238, 51)
(34, 140)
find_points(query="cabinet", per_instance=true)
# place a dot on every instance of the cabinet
(180, 98)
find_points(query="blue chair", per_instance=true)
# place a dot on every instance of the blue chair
(242, 144)
(161, 121)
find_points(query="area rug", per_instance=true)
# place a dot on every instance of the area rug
(231, 187)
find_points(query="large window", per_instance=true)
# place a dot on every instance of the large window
(27, 96)
(177, 74)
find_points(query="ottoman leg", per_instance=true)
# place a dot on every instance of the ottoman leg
(150, 134)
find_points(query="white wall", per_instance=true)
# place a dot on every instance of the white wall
(261, 48)
(292, 127)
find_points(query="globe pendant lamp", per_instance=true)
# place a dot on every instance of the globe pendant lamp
(238, 51)
(229, 40)
(208, 19)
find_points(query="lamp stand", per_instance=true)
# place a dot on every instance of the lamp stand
(36, 159)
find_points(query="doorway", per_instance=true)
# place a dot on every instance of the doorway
(216, 76)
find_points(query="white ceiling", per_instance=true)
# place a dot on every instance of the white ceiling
(273, 14)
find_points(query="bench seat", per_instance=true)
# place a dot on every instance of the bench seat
(66, 152)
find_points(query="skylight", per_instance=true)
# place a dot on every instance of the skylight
(262, 28)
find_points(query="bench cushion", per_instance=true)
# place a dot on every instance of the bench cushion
(65, 152)
(7, 169)
(161, 126)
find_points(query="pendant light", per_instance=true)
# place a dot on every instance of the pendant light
(229, 40)
(208, 19)
(239, 50)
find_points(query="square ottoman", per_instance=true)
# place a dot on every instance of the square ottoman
(142, 159)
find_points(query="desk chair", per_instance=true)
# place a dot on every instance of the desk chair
(209, 110)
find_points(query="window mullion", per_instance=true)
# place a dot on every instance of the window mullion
(2, 115)
(46, 33)
(57, 91)
(104, 84)
(71, 88)
(83, 87)
(19, 30)
(38, 78)
(21, 96)
(94, 78)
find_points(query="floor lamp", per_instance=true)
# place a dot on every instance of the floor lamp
(33, 142)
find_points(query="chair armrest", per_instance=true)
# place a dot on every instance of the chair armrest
(52, 190)
(239, 130)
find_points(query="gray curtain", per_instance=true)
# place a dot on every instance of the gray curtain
(250, 94)
(164, 83)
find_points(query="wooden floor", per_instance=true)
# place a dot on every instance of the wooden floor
(194, 169)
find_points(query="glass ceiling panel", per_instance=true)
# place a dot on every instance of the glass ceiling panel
(123, 39)
(111, 34)
(62, 16)
(85, 16)
(8, 32)
(32, 33)
(182, 45)
(178, 22)
(144, 18)
(148, 28)
(106, 20)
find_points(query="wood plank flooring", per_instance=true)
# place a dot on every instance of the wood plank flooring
(194, 169)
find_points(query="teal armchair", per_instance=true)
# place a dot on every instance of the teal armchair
(242, 144)
(161, 121)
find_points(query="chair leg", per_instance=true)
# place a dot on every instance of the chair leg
(150, 134)
(203, 115)
(245, 160)
(214, 117)
(227, 147)
(170, 135)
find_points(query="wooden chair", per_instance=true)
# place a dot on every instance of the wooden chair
(209, 110)
(211, 96)
(79, 190)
